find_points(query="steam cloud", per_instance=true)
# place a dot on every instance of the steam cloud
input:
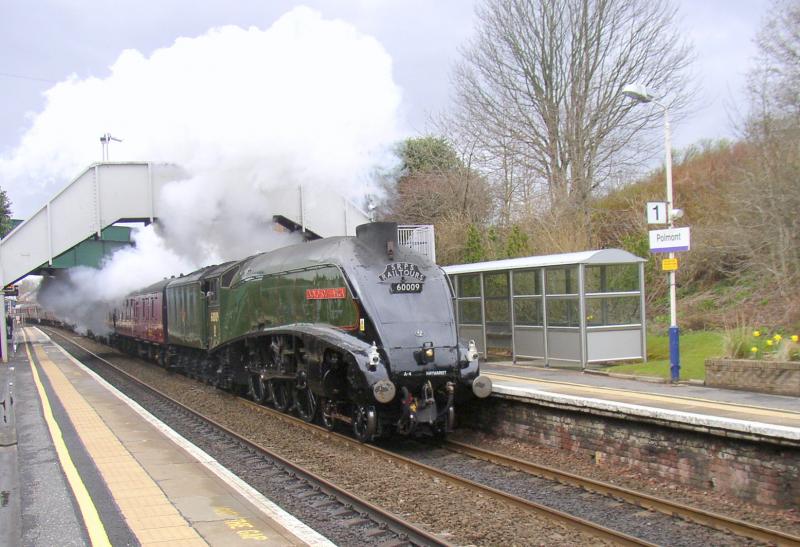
(308, 101)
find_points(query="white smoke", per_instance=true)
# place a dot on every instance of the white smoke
(307, 100)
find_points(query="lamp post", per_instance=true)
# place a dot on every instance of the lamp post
(641, 94)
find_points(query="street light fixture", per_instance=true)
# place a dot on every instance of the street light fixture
(104, 140)
(641, 94)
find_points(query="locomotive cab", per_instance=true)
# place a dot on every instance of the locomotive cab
(409, 299)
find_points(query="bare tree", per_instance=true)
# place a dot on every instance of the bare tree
(542, 79)
(774, 83)
(766, 225)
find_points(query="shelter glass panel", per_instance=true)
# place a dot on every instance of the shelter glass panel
(612, 278)
(469, 285)
(497, 303)
(497, 311)
(562, 312)
(562, 280)
(495, 285)
(469, 312)
(622, 310)
(528, 311)
(527, 282)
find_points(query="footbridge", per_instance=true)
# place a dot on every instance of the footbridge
(109, 193)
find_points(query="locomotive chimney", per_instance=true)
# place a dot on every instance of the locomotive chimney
(381, 236)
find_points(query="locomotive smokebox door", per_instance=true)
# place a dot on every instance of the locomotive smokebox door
(379, 236)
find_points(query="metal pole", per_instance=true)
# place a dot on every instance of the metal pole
(543, 295)
(582, 317)
(513, 319)
(3, 338)
(642, 314)
(483, 321)
(674, 332)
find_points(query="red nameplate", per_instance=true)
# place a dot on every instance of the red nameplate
(326, 294)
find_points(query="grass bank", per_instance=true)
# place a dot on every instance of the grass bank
(696, 347)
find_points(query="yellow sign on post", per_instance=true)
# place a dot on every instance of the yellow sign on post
(669, 264)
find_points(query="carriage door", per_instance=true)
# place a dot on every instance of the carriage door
(212, 297)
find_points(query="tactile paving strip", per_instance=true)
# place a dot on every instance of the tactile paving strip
(145, 507)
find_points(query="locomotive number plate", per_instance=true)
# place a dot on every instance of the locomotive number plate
(405, 288)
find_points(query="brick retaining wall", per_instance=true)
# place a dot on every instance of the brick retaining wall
(759, 472)
(778, 377)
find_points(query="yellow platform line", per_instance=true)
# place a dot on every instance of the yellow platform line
(680, 400)
(91, 519)
(146, 509)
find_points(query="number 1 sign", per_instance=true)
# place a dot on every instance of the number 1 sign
(656, 212)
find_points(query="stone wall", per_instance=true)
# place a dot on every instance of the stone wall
(758, 472)
(778, 377)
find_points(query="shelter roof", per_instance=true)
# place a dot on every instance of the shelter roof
(597, 257)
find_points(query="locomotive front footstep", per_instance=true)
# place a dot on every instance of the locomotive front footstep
(357, 330)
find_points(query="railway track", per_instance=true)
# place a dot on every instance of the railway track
(572, 521)
(376, 525)
(699, 516)
(704, 518)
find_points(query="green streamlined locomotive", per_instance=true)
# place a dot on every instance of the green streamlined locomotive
(354, 329)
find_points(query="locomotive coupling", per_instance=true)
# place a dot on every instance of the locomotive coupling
(482, 386)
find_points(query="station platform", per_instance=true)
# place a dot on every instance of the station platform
(742, 414)
(81, 464)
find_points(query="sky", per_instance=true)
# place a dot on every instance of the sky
(52, 48)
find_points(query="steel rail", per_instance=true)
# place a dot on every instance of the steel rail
(699, 516)
(401, 527)
(571, 521)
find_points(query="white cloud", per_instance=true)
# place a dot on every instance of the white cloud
(308, 100)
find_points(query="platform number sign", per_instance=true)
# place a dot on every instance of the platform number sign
(656, 212)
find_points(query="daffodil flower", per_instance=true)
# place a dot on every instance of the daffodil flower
(756, 333)
(795, 338)
(754, 350)
(769, 342)
(778, 337)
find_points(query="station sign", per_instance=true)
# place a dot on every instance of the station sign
(669, 240)
(656, 212)
(11, 290)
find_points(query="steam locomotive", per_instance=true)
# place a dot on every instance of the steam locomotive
(350, 329)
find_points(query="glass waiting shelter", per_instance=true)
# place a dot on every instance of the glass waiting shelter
(569, 309)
